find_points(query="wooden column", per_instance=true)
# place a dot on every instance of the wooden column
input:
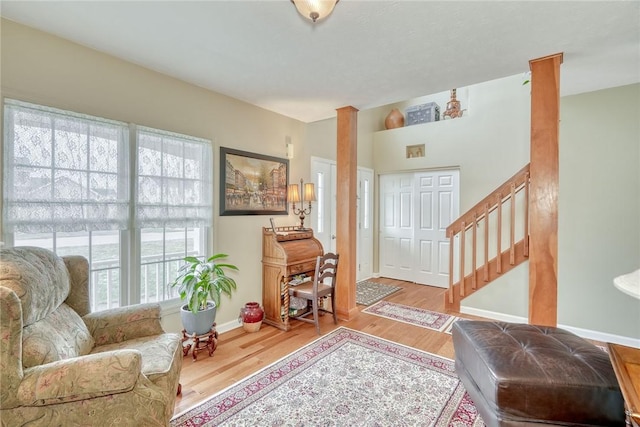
(346, 211)
(543, 201)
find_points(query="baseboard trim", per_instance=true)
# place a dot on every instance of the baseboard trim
(228, 326)
(584, 333)
(602, 336)
(493, 315)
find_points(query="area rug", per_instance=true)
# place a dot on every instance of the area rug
(345, 378)
(369, 292)
(450, 327)
(411, 315)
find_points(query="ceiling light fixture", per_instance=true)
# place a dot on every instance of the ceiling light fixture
(315, 10)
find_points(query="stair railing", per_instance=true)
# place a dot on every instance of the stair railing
(513, 196)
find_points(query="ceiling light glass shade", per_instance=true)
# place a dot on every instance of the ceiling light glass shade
(315, 10)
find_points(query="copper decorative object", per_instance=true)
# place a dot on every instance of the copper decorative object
(453, 107)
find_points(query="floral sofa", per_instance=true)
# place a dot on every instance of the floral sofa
(62, 365)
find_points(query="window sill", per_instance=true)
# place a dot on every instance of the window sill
(170, 307)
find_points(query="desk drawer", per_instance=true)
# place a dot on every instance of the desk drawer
(303, 267)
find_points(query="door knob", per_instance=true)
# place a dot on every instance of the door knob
(333, 237)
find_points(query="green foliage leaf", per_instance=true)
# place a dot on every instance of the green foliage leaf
(198, 280)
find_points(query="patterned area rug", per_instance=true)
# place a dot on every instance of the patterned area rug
(448, 328)
(412, 315)
(345, 378)
(369, 292)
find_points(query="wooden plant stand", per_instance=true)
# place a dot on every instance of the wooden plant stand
(207, 341)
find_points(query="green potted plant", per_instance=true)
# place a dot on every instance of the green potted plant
(197, 281)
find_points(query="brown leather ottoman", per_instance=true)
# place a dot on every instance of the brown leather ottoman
(526, 375)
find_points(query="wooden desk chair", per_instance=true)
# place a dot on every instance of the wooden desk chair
(324, 282)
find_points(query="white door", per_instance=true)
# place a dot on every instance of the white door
(396, 226)
(436, 207)
(323, 221)
(415, 210)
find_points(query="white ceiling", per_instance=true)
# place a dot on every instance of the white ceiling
(366, 54)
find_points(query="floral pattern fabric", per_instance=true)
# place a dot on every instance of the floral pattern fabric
(345, 378)
(78, 298)
(116, 367)
(59, 336)
(124, 323)
(158, 352)
(39, 278)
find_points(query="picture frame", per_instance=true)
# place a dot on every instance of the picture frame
(252, 184)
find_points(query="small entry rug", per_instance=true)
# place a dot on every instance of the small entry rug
(345, 378)
(411, 315)
(369, 292)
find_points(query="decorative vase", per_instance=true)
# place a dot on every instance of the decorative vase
(251, 315)
(394, 119)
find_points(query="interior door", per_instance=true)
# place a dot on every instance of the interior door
(415, 210)
(397, 226)
(436, 207)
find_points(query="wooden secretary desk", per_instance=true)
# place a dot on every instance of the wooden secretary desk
(285, 253)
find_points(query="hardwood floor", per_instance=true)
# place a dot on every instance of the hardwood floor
(240, 353)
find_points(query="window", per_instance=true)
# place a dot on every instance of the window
(173, 206)
(67, 188)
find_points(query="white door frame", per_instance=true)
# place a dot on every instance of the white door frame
(414, 210)
(323, 221)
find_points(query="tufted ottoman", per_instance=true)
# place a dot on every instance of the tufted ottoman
(526, 375)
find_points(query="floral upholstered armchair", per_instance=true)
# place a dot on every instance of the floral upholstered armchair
(62, 365)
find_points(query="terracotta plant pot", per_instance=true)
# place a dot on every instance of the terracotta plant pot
(251, 315)
(394, 119)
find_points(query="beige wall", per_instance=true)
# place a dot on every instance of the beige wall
(599, 234)
(599, 213)
(488, 144)
(492, 135)
(40, 68)
(599, 209)
(598, 220)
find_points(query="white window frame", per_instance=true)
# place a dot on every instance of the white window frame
(130, 261)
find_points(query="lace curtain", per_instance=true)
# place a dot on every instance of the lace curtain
(68, 172)
(63, 171)
(174, 180)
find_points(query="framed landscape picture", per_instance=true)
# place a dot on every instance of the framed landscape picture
(252, 184)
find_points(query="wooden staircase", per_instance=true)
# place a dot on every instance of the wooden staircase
(483, 245)
(531, 197)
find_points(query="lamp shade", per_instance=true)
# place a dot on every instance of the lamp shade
(309, 193)
(315, 10)
(293, 193)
